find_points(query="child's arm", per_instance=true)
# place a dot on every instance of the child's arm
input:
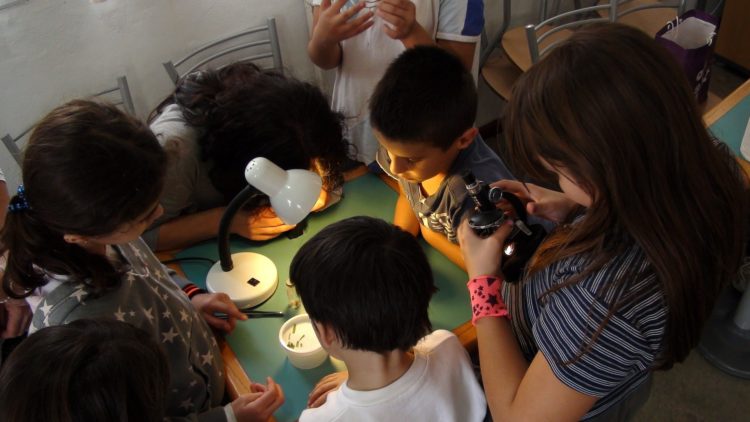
(330, 27)
(193, 228)
(516, 394)
(463, 50)
(401, 23)
(438, 241)
(404, 217)
(260, 404)
(4, 200)
(401, 16)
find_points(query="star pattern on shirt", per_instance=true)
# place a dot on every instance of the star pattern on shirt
(187, 404)
(120, 315)
(168, 336)
(46, 308)
(169, 316)
(207, 358)
(149, 314)
(155, 288)
(79, 293)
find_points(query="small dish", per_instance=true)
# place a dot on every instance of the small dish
(297, 338)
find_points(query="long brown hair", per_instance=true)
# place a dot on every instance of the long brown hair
(613, 109)
(88, 168)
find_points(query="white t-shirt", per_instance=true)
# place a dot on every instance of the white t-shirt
(366, 56)
(440, 385)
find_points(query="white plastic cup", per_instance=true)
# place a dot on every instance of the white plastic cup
(300, 343)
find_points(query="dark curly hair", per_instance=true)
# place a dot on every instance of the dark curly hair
(246, 112)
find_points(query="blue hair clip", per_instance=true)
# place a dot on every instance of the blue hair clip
(19, 202)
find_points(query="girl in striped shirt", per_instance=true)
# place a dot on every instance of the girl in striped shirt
(651, 224)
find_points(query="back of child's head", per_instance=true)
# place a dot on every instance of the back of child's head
(285, 120)
(196, 92)
(425, 96)
(88, 370)
(368, 280)
(613, 110)
(244, 112)
(88, 169)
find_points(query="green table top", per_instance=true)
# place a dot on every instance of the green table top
(255, 342)
(731, 126)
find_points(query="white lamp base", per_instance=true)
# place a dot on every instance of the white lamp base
(251, 282)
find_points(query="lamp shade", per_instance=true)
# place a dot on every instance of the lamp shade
(293, 193)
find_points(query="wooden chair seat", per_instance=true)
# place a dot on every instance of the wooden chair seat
(516, 45)
(649, 21)
(500, 73)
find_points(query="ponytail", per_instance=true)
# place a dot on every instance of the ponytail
(88, 169)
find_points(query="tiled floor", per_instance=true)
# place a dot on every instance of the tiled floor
(694, 390)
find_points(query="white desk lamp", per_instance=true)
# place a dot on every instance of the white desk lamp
(250, 278)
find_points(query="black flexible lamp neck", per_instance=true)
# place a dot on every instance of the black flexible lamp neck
(225, 255)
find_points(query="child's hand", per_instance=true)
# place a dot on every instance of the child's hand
(545, 203)
(260, 404)
(335, 26)
(401, 16)
(482, 256)
(259, 226)
(326, 385)
(15, 317)
(209, 303)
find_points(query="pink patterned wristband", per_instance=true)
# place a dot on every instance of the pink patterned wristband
(486, 300)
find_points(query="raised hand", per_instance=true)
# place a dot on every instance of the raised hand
(334, 26)
(401, 17)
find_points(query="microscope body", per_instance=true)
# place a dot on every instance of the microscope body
(522, 241)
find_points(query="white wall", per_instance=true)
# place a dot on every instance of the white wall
(55, 50)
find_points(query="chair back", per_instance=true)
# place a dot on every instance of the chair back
(118, 95)
(554, 30)
(648, 15)
(11, 143)
(259, 45)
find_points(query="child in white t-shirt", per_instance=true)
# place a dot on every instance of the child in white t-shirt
(360, 39)
(366, 285)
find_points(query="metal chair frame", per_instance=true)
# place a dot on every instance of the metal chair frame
(272, 41)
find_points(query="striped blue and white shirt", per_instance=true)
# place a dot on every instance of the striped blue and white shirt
(560, 325)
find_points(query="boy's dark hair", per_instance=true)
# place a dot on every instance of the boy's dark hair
(88, 168)
(88, 370)
(426, 95)
(367, 279)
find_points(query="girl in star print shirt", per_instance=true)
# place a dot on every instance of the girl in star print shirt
(91, 182)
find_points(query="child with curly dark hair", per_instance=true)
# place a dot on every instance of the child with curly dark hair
(214, 124)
